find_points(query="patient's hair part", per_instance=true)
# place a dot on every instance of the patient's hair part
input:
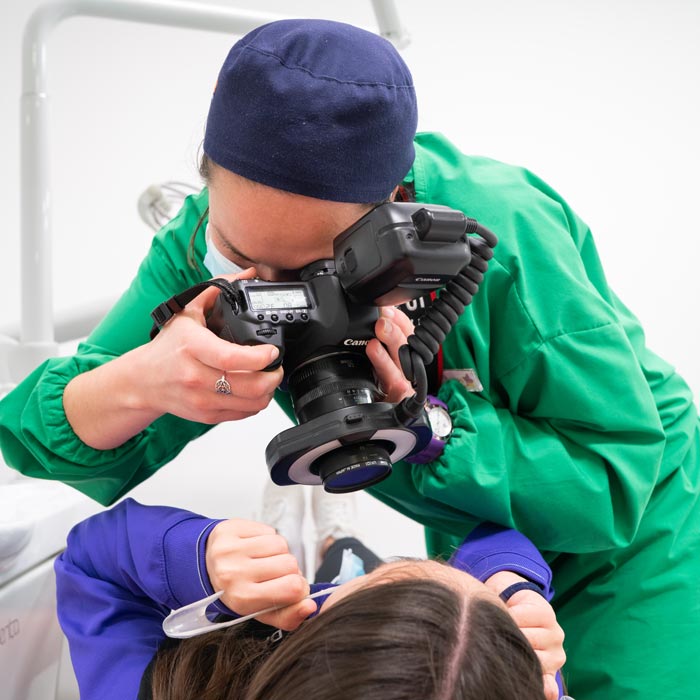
(410, 638)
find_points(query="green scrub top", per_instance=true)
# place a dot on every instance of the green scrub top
(581, 438)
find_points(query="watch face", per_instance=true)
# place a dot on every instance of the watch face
(440, 421)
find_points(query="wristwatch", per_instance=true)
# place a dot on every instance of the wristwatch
(441, 424)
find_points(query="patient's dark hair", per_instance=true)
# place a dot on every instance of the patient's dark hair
(401, 640)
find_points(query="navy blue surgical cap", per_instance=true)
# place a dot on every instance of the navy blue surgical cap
(317, 108)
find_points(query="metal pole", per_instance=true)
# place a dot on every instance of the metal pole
(389, 23)
(36, 313)
(37, 341)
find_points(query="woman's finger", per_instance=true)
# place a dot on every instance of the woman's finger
(267, 545)
(240, 391)
(270, 568)
(218, 353)
(390, 377)
(399, 318)
(534, 611)
(246, 597)
(391, 335)
(291, 617)
(551, 689)
(204, 301)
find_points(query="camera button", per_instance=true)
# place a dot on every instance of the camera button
(261, 317)
(354, 418)
(275, 317)
(304, 317)
(290, 317)
(350, 260)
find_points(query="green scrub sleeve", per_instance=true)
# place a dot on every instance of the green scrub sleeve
(564, 442)
(39, 441)
(35, 435)
(572, 460)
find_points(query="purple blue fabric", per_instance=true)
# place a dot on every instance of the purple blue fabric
(126, 568)
(491, 548)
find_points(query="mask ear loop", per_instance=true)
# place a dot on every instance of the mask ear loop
(191, 620)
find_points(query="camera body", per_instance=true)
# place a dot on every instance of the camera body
(291, 316)
(394, 253)
(347, 437)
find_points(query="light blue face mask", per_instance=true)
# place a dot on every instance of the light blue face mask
(216, 262)
(351, 566)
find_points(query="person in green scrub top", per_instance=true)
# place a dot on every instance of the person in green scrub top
(564, 425)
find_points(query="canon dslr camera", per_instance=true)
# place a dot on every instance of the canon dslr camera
(347, 437)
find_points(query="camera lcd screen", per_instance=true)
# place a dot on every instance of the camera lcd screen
(278, 298)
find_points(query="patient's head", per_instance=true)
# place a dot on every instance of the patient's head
(407, 630)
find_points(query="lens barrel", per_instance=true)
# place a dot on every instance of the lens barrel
(330, 381)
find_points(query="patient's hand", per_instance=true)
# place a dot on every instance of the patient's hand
(538, 622)
(251, 563)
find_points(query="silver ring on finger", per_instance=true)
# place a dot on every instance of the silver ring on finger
(222, 386)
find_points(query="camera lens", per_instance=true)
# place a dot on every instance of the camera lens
(353, 467)
(331, 381)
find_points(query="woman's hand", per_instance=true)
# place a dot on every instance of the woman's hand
(538, 622)
(176, 373)
(194, 359)
(392, 329)
(251, 563)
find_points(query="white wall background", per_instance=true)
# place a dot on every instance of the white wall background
(600, 98)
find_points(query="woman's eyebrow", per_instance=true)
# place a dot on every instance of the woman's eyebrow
(231, 247)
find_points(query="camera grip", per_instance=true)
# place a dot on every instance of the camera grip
(225, 321)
